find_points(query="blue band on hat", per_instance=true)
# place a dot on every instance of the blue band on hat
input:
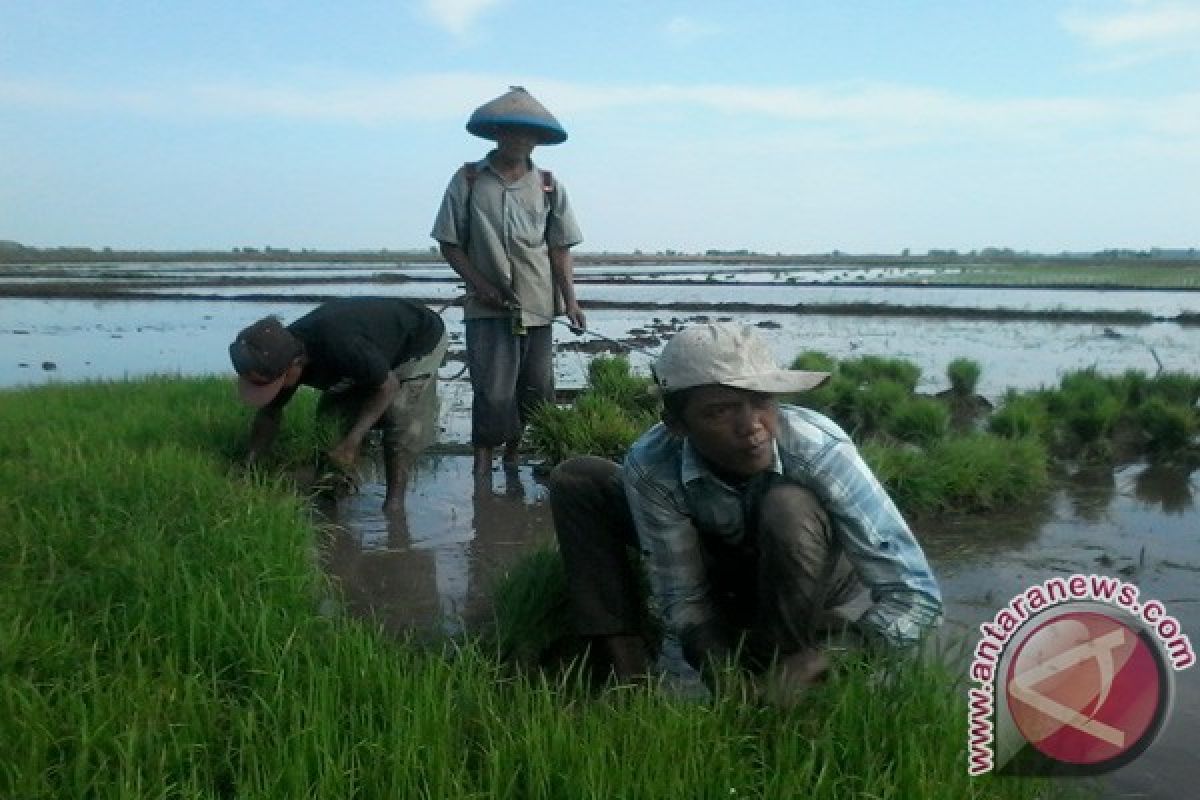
(485, 126)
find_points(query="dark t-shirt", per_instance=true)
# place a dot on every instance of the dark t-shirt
(360, 339)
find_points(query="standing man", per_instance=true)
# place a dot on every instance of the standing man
(506, 227)
(762, 531)
(375, 358)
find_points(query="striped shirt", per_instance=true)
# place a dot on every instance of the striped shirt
(673, 496)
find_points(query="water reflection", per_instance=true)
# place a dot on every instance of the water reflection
(432, 566)
(960, 538)
(1090, 490)
(1168, 486)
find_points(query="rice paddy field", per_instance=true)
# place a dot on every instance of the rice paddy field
(173, 626)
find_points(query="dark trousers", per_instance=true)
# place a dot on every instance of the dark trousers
(789, 588)
(510, 376)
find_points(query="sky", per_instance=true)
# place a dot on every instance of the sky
(866, 126)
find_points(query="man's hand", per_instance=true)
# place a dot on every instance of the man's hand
(788, 678)
(344, 455)
(577, 319)
(490, 295)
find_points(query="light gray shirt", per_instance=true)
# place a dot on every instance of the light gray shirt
(507, 230)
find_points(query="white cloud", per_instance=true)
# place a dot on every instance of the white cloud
(1140, 29)
(457, 16)
(683, 30)
(866, 112)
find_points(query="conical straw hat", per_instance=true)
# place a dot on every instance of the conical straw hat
(516, 107)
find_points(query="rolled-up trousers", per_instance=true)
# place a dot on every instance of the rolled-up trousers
(510, 375)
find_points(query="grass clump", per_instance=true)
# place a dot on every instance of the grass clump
(919, 420)
(1019, 416)
(870, 369)
(1168, 427)
(814, 361)
(963, 374)
(970, 473)
(1095, 417)
(603, 421)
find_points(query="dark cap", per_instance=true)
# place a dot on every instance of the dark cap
(262, 354)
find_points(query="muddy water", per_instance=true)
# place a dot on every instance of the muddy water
(433, 566)
(95, 339)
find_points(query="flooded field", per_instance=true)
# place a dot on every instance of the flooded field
(432, 568)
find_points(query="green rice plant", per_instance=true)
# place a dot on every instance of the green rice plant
(963, 374)
(1168, 427)
(1135, 387)
(1087, 406)
(610, 376)
(595, 425)
(874, 405)
(907, 474)
(870, 369)
(555, 432)
(1175, 387)
(814, 361)
(1019, 416)
(918, 420)
(530, 608)
(835, 398)
(970, 473)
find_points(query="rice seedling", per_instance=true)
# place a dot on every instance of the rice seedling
(970, 473)
(1168, 427)
(595, 425)
(604, 420)
(1019, 416)
(871, 369)
(874, 405)
(611, 377)
(963, 374)
(1175, 387)
(814, 361)
(918, 420)
(1088, 406)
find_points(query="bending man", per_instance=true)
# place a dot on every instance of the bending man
(376, 360)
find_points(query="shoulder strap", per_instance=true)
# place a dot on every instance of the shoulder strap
(548, 189)
(470, 171)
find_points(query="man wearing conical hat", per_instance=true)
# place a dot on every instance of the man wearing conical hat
(507, 228)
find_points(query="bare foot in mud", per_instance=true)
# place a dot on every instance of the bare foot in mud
(393, 505)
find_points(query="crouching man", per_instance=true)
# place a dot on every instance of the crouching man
(763, 533)
(376, 360)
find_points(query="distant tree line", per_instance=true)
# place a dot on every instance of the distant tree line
(15, 253)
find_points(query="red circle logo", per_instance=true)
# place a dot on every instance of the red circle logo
(1085, 688)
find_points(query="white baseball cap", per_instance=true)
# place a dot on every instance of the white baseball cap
(729, 354)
